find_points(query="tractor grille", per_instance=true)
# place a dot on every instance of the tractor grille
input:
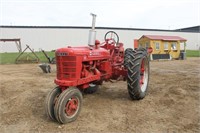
(66, 67)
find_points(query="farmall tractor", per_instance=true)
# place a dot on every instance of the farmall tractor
(83, 69)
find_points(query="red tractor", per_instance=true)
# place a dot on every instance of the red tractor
(83, 69)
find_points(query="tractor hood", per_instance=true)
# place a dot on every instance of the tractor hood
(87, 51)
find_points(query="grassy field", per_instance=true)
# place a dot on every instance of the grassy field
(9, 58)
(193, 53)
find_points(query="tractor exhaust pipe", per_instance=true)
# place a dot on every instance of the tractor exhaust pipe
(92, 32)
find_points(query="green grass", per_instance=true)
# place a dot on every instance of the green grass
(9, 58)
(193, 53)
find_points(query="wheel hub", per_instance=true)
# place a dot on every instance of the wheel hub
(142, 70)
(71, 106)
(143, 75)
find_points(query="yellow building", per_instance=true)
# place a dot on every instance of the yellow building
(164, 47)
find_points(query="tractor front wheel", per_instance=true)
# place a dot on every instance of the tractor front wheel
(68, 105)
(138, 74)
(50, 102)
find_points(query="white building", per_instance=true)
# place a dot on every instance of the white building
(51, 38)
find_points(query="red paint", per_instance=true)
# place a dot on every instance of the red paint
(71, 106)
(142, 70)
(165, 38)
(150, 50)
(80, 66)
(135, 43)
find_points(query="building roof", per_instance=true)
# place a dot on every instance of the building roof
(85, 27)
(190, 29)
(164, 38)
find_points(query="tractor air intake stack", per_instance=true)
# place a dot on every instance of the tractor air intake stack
(92, 32)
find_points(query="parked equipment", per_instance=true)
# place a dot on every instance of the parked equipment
(17, 42)
(24, 57)
(83, 69)
(46, 68)
(50, 60)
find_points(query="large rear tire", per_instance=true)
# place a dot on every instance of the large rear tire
(128, 51)
(138, 74)
(50, 102)
(68, 105)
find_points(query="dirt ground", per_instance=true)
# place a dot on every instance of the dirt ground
(172, 103)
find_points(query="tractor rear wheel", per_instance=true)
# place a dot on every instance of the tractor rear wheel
(128, 51)
(50, 102)
(91, 89)
(68, 105)
(138, 74)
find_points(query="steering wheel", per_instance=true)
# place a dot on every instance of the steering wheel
(112, 36)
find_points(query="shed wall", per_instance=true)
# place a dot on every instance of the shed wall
(53, 38)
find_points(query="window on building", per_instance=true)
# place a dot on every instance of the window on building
(157, 45)
(173, 46)
(147, 45)
(165, 46)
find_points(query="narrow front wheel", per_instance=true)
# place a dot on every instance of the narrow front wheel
(68, 105)
(50, 101)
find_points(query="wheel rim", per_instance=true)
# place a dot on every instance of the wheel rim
(72, 106)
(144, 75)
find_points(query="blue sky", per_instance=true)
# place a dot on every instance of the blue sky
(153, 14)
